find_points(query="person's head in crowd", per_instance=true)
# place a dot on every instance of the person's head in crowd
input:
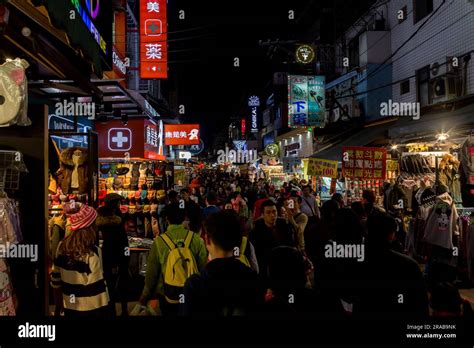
(348, 229)
(339, 199)
(381, 230)
(293, 203)
(269, 212)
(228, 206)
(286, 270)
(174, 214)
(173, 196)
(211, 198)
(368, 197)
(307, 190)
(262, 194)
(358, 208)
(82, 234)
(202, 191)
(220, 190)
(329, 211)
(223, 234)
(184, 194)
(112, 202)
(446, 301)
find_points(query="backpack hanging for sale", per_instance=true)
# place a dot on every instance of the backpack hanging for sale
(180, 265)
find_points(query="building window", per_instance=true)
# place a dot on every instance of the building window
(421, 8)
(354, 52)
(423, 83)
(402, 14)
(405, 87)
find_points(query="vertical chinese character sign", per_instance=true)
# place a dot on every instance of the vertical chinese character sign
(364, 162)
(153, 39)
(306, 101)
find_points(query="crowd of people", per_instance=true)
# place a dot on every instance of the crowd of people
(227, 246)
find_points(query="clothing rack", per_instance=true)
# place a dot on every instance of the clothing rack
(11, 166)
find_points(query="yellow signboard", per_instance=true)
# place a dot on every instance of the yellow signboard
(322, 167)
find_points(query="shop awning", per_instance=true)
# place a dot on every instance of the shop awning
(451, 122)
(363, 137)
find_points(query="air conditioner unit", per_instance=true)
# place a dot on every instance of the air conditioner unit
(434, 69)
(443, 89)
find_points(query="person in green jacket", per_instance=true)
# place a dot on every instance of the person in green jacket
(154, 279)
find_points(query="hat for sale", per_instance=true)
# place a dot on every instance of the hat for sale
(161, 194)
(102, 194)
(123, 170)
(105, 169)
(83, 219)
(124, 209)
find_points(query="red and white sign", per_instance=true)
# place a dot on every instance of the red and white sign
(154, 140)
(153, 40)
(140, 138)
(182, 134)
(119, 139)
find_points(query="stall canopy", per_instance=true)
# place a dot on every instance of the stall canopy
(451, 122)
(370, 134)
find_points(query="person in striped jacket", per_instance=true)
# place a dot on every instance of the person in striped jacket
(77, 269)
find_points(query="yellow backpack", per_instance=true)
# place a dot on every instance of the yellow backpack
(242, 256)
(180, 265)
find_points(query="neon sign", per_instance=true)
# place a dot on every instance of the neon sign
(88, 22)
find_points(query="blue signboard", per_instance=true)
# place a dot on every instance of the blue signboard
(58, 123)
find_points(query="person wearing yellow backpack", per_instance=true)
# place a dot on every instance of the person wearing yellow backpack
(226, 286)
(175, 256)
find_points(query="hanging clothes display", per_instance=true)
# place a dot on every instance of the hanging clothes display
(7, 307)
(74, 169)
(10, 229)
(450, 177)
(442, 222)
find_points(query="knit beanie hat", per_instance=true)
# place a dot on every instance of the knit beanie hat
(84, 218)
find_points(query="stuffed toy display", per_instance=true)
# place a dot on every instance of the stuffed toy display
(14, 93)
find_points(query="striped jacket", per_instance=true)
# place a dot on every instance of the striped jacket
(82, 282)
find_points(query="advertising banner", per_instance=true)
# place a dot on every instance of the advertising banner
(291, 164)
(306, 101)
(153, 39)
(321, 167)
(182, 134)
(254, 105)
(364, 162)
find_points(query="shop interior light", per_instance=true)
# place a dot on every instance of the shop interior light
(394, 147)
(442, 136)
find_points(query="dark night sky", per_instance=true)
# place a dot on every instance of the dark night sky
(208, 84)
